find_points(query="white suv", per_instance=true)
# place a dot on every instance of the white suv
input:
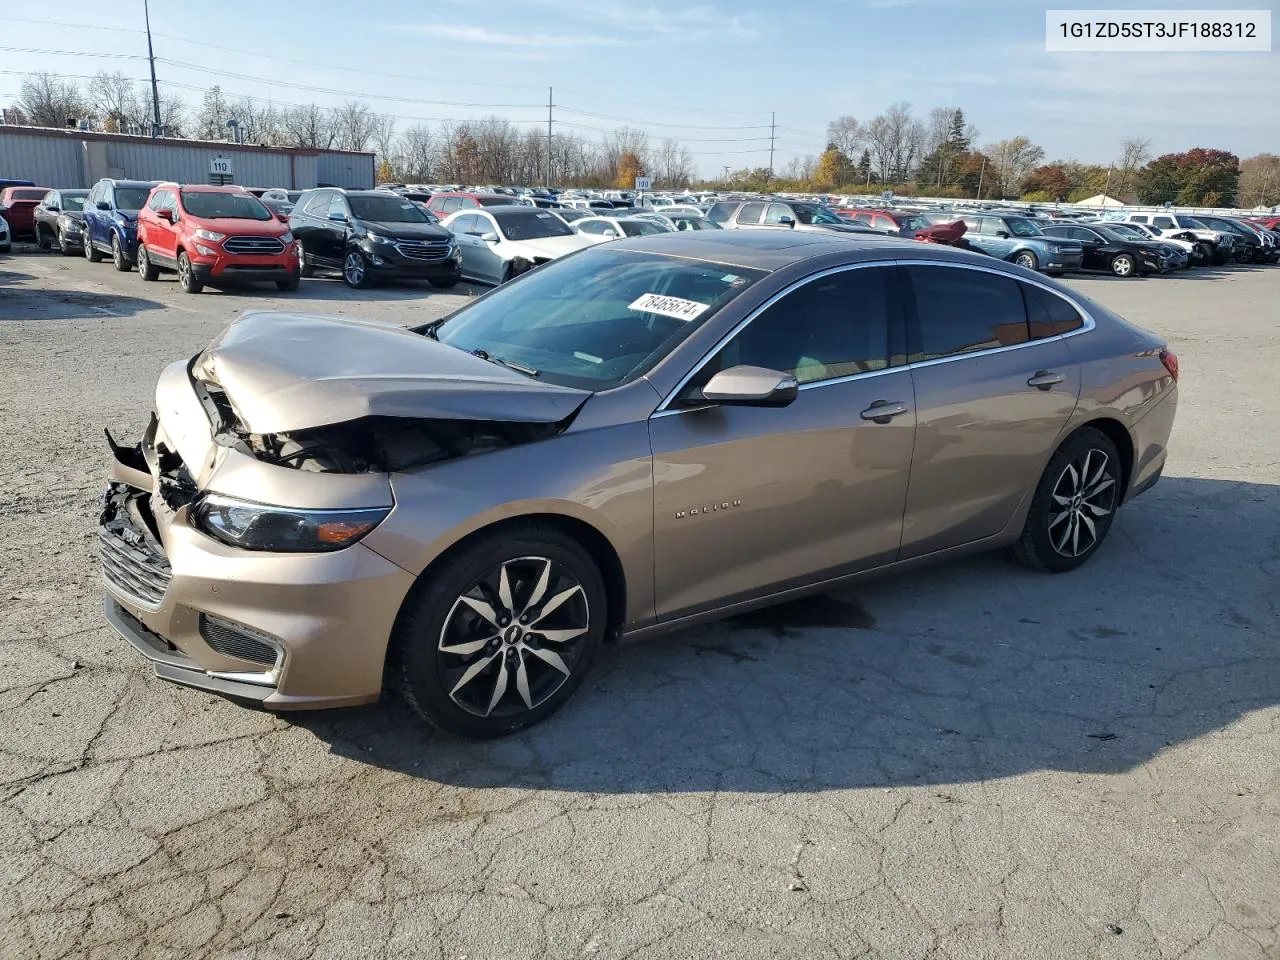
(1180, 226)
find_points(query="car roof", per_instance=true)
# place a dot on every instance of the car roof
(132, 183)
(204, 187)
(774, 249)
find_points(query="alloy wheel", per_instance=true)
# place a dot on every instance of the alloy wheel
(116, 253)
(1026, 260)
(184, 271)
(1122, 266)
(1084, 493)
(512, 639)
(353, 269)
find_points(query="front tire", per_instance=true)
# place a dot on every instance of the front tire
(1123, 265)
(187, 278)
(1027, 259)
(499, 638)
(290, 285)
(63, 245)
(355, 272)
(91, 253)
(305, 267)
(146, 269)
(44, 238)
(118, 258)
(1074, 505)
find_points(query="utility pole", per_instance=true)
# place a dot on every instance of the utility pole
(981, 170)
(773, 118)
(726, 173)
(155, 89)
(550, 105)
(1106, 191)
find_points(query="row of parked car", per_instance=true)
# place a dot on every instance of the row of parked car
(219, 234)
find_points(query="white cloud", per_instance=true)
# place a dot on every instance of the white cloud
(464, 33)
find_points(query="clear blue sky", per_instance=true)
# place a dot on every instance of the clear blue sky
(708, 73)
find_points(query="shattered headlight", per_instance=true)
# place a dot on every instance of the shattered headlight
(257, 526)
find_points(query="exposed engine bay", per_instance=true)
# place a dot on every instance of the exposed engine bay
(374, 444)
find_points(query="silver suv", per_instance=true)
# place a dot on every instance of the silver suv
(788, 215)
(1222, 245)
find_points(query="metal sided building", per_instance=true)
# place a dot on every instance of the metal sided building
(76, 158)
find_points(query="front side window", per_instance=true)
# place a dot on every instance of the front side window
(751, 213)
(214, 205)
(597, 319)
(813, 213)
(641, 228)
(777, 213)
(466, 223)
(833, 326)
(317, 206)
(156, 201)
(1022, 227)
(337, 206)
(960, 310)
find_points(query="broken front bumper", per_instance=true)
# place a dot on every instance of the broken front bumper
(287, 630)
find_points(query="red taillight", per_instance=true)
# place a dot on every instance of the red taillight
(1170, 361)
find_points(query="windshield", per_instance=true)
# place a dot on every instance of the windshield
(812, 213)
(1022, 227)
(131, 198)
(210, 205)
(1190, 223)
(596, 319)
(1126, 231)
(532, 226)
(73, 202)
(390, 209)
(642, 228)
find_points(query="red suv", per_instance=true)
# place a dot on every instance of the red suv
(443, 204)
(212, 234)
(18, 207)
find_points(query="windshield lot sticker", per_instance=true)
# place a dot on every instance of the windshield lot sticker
(668, 306)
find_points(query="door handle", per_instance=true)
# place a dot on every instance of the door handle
(1044, 379)
(882, 411)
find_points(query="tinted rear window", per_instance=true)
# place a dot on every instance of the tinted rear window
(1049, 315)
(35, 195)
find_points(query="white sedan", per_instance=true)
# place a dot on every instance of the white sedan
(601, 229)
(499, 243)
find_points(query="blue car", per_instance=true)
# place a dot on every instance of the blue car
(111, 220)
(1021, 241)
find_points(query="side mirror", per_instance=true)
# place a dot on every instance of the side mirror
(338, 217)
(103, 205)
(1002, 234)
(489, 237)
(746, 386)
(282, 216)
(165, 214)
(53, 208)
(787, 221)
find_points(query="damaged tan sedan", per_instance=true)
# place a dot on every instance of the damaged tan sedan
(633, 438)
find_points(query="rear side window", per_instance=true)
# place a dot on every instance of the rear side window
(1049, 315)
(750, 213)
(721, 212)
(960, 310)
(1162, 222)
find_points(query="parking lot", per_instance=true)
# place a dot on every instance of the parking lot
(970, 761)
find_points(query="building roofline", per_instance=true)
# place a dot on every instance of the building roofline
(68, 133)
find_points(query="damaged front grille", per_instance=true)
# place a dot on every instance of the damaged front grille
(133, 561)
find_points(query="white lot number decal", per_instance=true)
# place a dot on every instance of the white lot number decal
(668, 306)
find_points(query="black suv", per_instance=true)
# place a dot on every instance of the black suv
(368, 234)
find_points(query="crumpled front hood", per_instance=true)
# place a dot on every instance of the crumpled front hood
(283, 372)
(552, 246)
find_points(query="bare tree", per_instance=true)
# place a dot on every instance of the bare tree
(307, 126)
(938, 129)
(892, 138)
(673, 164)
(356, 125)
(259, 123)
(416, 150)
(846, 134)
(1134, 152)
(215, 111)
(385, 143)
(1011, 161)
(49, 101)
(116, 103)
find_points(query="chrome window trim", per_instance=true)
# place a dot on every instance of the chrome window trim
(665, 408)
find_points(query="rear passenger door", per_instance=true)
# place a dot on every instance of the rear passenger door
(93, 216)
(993, 392)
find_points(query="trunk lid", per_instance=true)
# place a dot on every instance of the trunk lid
(284, 372)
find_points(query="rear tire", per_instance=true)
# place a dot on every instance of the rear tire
(478, 677)
(187, 278)
(146, 269)
(1074, 504)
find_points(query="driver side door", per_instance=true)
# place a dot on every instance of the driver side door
(750, 500)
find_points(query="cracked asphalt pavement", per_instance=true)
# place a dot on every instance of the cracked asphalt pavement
(971, 761)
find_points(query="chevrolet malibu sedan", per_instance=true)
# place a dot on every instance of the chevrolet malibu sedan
(640, 436)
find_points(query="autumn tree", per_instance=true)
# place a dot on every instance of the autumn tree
(833, 168)
(1260, 181)
(1188, 178)
(1009, 163)
(1052, 181)
(630, 166)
